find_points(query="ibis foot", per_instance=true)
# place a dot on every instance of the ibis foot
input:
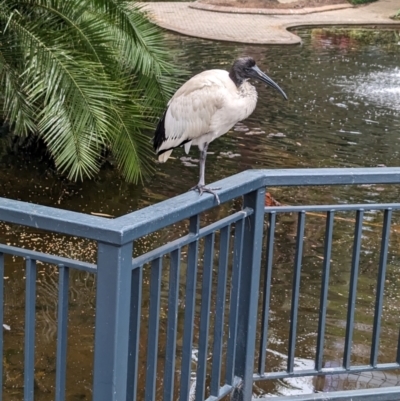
(203, 188)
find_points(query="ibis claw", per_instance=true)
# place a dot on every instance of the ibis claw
(203, 188)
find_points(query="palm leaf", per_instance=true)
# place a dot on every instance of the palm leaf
(84, 75)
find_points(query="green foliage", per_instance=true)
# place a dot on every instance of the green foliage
(397, 15)
(356, 2)
(85, 76)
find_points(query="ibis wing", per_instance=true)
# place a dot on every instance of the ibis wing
(191, 110)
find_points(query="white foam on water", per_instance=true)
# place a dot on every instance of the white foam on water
(380, 88)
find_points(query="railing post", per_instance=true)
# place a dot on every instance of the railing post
(114, 271)
(249, 291)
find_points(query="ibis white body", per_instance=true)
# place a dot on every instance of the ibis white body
(204, 108)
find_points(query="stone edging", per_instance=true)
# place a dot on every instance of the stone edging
(237, 10)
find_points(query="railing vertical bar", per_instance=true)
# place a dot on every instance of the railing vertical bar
(205, 317)
(353, 289)
(173, 295)
(324, 290)
(62, 332)
(398, 349)
(1, 321)
(113, 318)
(295, 291)
(30, 306)
(152, 338)
(190, 301)
(267, 292)
(380, 287)
(249, 292)
(234, 301)
(219, 310)
(134, 332)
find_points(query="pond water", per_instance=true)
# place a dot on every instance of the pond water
(343, 111)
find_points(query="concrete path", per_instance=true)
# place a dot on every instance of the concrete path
(262, 29)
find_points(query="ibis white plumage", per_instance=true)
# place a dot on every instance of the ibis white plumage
(207, 106)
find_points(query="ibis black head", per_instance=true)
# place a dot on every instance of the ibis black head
(245, 68)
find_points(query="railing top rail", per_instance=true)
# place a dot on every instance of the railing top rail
(170, 211)
(332, 176)
(141, 222)
(57, 220)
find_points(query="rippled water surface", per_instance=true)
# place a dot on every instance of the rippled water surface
(343, 111)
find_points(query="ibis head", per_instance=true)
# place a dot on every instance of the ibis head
(245, 68)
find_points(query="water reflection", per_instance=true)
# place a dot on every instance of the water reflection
(343, 111)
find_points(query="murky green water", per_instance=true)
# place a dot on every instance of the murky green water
(343, 111)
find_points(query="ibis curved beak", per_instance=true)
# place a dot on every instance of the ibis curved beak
(258, 74)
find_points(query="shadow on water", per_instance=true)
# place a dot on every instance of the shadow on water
(343, 111)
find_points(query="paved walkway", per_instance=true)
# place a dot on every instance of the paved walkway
(262, 29)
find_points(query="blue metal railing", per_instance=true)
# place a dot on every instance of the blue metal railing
(224, 325)
(346, 366)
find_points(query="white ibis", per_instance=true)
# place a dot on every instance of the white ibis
(206, 107)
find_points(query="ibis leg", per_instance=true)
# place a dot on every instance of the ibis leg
(203, 155)
(201, 186)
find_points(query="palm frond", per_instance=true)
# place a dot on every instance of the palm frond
(84, 75)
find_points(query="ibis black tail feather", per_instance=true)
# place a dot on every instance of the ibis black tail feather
(160, 138)
(159, 134)
(160, 152)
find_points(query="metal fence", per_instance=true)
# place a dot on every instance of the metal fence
(226, 348)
